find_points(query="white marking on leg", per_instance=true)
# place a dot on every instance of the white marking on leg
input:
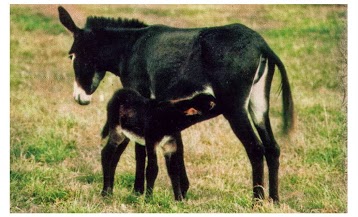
(247, 101)
(134, 137)
(116, 136)
(258, 102)
(257, 73)
(168, 145)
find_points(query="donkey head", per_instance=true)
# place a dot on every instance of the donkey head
(86, 62)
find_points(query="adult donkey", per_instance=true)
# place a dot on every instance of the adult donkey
(233, 63)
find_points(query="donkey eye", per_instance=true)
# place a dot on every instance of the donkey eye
(72, 56)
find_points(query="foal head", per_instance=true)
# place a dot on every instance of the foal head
(176, 115)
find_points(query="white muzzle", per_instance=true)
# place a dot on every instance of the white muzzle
(80, 95)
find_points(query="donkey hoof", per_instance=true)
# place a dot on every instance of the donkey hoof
(259, 192)
(275, 200)
(184, 193)
(256, 203)
(138, 192)
(107, 193)
(179, 197)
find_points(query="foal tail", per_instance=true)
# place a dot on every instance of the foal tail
(287, 101)
(105, 130)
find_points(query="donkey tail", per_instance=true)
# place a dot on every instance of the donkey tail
(105, 130)
(287, 101)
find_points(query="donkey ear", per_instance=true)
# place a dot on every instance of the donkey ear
(66, 20)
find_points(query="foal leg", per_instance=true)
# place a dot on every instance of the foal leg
(173, 171)
(240, 124)
(184, 181)
(111, 154)
(140, 155)
(173, 152)
(152, 168)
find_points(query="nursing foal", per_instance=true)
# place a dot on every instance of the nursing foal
(149, 122)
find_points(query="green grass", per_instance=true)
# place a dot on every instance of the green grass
(55, 144)
(32, 22)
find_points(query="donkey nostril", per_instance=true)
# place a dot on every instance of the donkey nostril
(82, 102)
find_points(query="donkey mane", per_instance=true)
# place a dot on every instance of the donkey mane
(94, 22)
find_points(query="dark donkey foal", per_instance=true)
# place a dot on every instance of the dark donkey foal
(148, 122)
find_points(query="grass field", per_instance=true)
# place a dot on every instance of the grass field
(55, 144)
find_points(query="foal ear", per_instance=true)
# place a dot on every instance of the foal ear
(212, 104)
(66, 20)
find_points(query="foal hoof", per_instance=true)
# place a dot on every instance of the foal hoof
(148, 198)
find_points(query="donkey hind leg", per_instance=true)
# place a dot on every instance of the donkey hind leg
(241, 126)
(259, 110)
(111, 154)
(272, 154)
(174, 158)
(140, 157)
